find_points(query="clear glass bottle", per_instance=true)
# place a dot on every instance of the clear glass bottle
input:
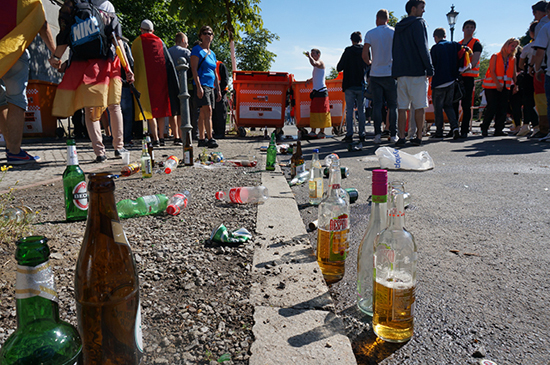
(333, 226)
(74, 186)
(395, 259)
(146, 162)
(107, 284)
(41, 337)
(316, 188)
(377, 222)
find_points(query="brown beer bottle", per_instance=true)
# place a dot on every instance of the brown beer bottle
(106, 284)
(188, 151)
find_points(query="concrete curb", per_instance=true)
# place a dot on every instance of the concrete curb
(293, 321)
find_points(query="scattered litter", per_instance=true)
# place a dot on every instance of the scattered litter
(222, 235)
(393, 159)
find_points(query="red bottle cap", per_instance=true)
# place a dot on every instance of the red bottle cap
(379, 182)
(173, 209)
(220, 195)
(167, 170)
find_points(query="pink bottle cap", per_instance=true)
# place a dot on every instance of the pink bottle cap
(379, 182)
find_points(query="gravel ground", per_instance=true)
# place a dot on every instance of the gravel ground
(194, 293)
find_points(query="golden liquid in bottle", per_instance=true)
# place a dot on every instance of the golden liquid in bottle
(393, 307)
(332, 249)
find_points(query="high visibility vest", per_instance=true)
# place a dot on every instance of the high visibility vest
(218, 63)
(504, 75)
(474, 72)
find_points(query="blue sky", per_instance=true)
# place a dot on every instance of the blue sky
(327, 25)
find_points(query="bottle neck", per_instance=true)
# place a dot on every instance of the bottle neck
(72, 157)
(334, 180)
(396, 213)
(35, 294)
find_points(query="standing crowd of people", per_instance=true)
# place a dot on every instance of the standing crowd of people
(396, 69)
(101, 82)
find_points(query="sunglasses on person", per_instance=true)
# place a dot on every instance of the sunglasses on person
(207, 33)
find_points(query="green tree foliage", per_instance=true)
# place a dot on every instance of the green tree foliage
(392, 21)
(332, 74)
(252, 53)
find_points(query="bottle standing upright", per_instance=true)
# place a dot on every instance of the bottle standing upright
(146, 162)
(41, 337)
(299, 163)
(150, 149)
(395, 259)
(271, 158)
(74, 186)
(107, 284)
(315, 179)
(377, 222)
(188, 151)
(333, 223)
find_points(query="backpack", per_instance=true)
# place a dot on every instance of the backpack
(88, 39)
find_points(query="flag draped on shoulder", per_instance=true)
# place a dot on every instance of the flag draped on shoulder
(156, 78)
(19, 23)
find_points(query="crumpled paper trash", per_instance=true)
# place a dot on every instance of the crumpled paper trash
(392, 159)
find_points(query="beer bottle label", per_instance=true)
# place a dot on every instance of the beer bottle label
(35, 281)
(147, 168)
(312, 189)
(187, 157)
(300, 168)
(72, 157)
(80, 196)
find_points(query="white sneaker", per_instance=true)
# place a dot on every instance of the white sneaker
(394, 139)
(545, 138)
(524, 130)
(535, 131)
(377, 139)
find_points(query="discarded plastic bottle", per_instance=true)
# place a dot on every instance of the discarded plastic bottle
(178, 202)
(377, 222)
(130, 169)
(106, 284)
(41, 337)
(299, 179)
(74, 186)
(271, 158)
(170, 164)
(316, 188)
(145, 205)
(243, 163)
(343, 170)
(244, 195)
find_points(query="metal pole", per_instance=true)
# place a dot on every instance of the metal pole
(186, 126)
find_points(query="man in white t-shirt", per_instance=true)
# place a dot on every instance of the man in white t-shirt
(378, 41)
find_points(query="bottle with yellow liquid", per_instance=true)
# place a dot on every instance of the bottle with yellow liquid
(333, 223)
(395, 259)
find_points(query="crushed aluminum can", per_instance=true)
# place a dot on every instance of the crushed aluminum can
(222, 235)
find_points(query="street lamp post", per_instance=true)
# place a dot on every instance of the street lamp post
(451, 18)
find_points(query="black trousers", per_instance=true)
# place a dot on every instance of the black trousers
(466, 102)
(497, 105)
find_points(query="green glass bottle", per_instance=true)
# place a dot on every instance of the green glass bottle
(271, 158)
(74, 185)
(41, 337)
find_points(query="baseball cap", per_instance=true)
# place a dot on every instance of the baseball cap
(147, 25)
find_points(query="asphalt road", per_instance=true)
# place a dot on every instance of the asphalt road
(488, 199)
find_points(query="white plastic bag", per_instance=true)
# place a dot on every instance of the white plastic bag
(392, 159)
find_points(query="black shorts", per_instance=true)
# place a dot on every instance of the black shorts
(207, 98)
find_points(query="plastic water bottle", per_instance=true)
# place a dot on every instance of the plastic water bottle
(244, 195)
(178, 202)
(170, 164)
(145, 205)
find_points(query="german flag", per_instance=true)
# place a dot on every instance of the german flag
(319, 112)
(19, 23)
(156, 78)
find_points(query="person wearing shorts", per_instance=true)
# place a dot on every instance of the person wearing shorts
(203, 65)
(13, 83)
(412, 67)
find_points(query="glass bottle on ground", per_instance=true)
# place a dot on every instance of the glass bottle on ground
(107, 284)
(188, 151)
(74, 186)
(41, 337)
(316, 188)
(377, 222)
(333, 226)
(395, 260)
(146, 162)
(271, 158)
